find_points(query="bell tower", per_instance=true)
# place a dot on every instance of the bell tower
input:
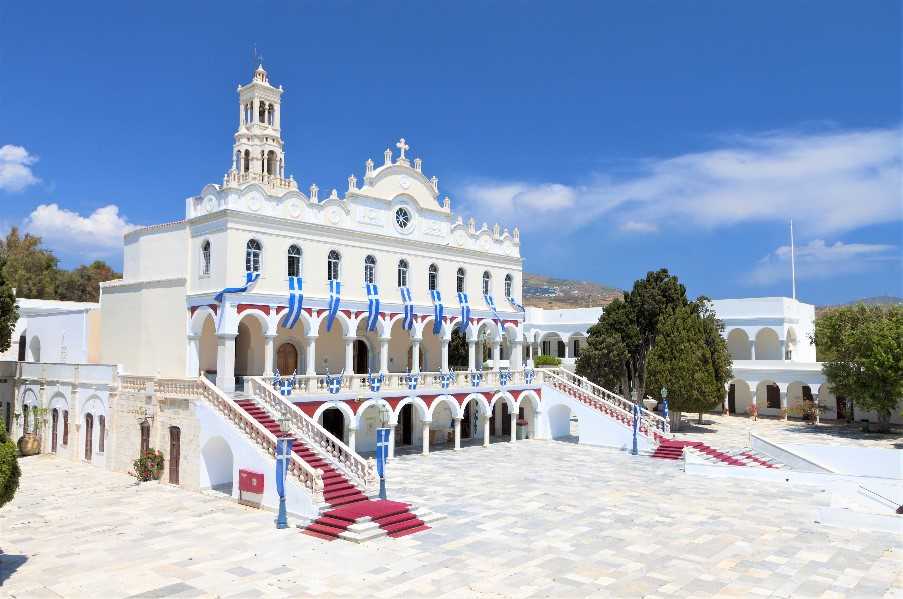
(258, 154)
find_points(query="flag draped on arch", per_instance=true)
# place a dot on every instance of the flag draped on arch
(495, 313)
(250, 278)
(372, 306)
(408, 308)
(335, 298)
(438, 310)
(465, 311)
(295, 301)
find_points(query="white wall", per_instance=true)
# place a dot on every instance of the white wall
(859, 461)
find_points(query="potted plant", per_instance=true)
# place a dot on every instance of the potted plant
(149, 466)
(30, 442)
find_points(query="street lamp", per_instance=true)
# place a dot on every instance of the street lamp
(664, 393)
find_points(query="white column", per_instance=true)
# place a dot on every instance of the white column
(752, 349)
(269, 353)
(384, 355)
(225, 362)
(349, 355)
(514, 426)
(444, 355)
(311, 355)
(496, 354)
(567, 348)
(193, 366)
(471, 355)
(784, 403)
(426, 437)
(415, 355)
(485, 431)
(352, 439)
(517, 354)
(783, 350)
(457, 433)
(392, 441)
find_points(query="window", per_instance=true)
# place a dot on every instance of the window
(65, 427)
(369, 269)
(508, 282)
(145, 437)
(332, 265)
(460, 284)
(402, 273)
(402, 218)
(487, 282)
(246, 163)
(433, 278)
(252, 256)
(205, 258)
(294, 261)
(102, 433)
(22, 345)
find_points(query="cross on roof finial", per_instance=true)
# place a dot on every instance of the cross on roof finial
(401, 145)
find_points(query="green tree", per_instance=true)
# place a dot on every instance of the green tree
(688, 361)
(9, 467)
(863, 350)
(9, 312)
(83, 283)
(457, 350)
(28, 268)
(630, 325)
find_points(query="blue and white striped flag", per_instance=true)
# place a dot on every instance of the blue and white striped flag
(408, 308)
(250, 279)
(476, 378)
(514, 303)
(495, 314)
(286, 385)
(334, 383)
(529, 373)
(438, 311)
(295, 302)
(276, 378)
(375, 382)
(504, 376)
(465, 310)
(445, 379)
(335, 298)
(372, 306)
(411, 380)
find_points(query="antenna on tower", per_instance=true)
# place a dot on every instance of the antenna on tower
(256, 59)
(792, 261)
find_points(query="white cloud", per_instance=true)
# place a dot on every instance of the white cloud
(15, 168)
(820, 260)
(828, 182)
(98, 234)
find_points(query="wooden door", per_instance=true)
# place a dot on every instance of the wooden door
(287, 359)
(175, 453)
(54, 419)
(506, 419)
(89, 436)
(731, 400)
(773, 396)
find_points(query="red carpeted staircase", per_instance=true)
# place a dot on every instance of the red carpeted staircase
(673, 449)
(347, 502)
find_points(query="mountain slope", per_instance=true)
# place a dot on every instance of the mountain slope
(548, 292)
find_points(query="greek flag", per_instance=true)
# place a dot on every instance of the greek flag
(408, 308)
(437, 311)
(295, 301)
(276, 378)
(665, 409)
(504, 377)
(411, 380)
(445, 379)
(286, 384)
(372, 306)
(465, 310)
(250, 279)
(514, 303)
(375, 382)
(491, 303)
(334, 382)
(335, 298)
(382, 450)
(283, 455)
(476, 378)
(529, 373)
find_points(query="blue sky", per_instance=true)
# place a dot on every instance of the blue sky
(621, 137)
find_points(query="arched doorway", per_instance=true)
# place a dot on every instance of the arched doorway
(287, 358)
(89, 437)
(406, 425)
(334, 422)
(361, 357)
(563, 423)
(218, 465)
(467, 421)
(249, 348)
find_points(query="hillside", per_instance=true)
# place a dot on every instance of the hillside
(549, 292)
(882, 300)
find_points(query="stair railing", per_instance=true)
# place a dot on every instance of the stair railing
(362, 471)
(650, 423)
(308, 477)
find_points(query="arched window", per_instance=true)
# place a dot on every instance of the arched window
(270, 115)
(271, 162)
(369, 269)
(402, 273)
(252, 256)
(65, 427)
(205, 257)
(332, 265)
(247, 161)
(262, 113)
(460, 285)
(433, 277)
(22, 345)
(102, 433)
(509, 280)
(487, 282)
(294, 261)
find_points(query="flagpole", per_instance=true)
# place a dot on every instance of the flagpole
(792, 261)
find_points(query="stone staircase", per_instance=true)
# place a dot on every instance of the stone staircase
(673, 449)
(348, 513)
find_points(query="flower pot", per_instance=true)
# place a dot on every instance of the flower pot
(29, 444)
(650, 404)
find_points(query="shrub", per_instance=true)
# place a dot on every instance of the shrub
(149, 466)
(546, 361)
(9, 467)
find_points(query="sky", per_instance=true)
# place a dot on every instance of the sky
(619, 136)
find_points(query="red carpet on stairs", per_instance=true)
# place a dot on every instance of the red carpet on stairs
(673, 449)
(348, 502)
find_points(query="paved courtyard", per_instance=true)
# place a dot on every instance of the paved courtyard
(530, 519)
(733, 432)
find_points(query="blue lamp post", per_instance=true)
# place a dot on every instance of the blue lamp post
(665, 403)
(283, 453)
(636, 427)
(382, 450)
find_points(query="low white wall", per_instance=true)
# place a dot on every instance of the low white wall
(247, 455)
(593, 428)
(787, 456)
(856, 461)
